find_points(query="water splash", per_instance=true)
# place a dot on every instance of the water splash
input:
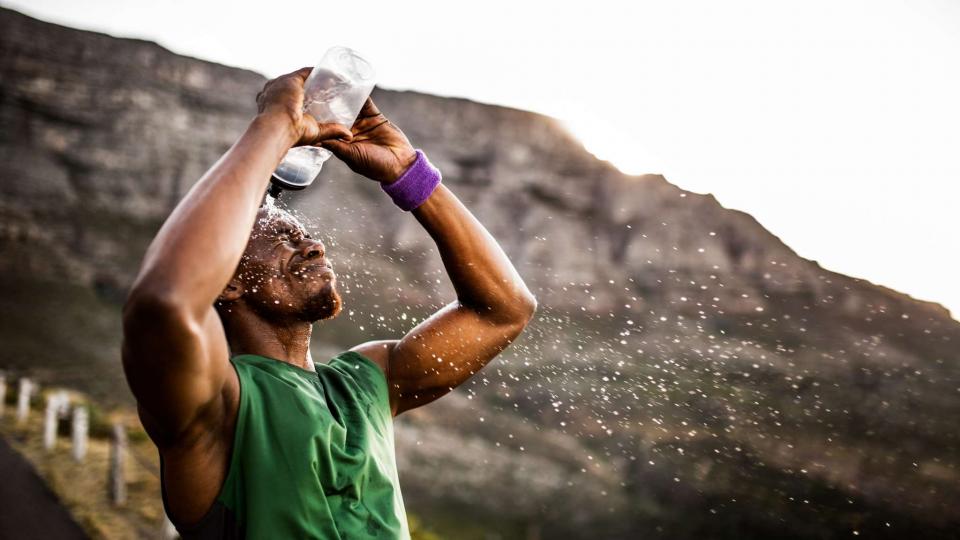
(270, 202)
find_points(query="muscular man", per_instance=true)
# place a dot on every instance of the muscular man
(255, 439)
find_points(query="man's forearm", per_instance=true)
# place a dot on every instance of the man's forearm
(199, 246)
(485, 281)
(482, 275)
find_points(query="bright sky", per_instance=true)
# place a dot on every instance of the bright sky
(836, 123)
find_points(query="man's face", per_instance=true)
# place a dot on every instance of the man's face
(285, 274)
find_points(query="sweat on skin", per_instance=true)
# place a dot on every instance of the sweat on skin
(217, 330)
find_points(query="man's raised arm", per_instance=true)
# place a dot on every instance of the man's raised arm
(175, 352)
(493, 304)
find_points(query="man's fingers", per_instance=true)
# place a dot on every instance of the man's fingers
(332, 131)
(339, 148)
(369, 109)
(301, 73)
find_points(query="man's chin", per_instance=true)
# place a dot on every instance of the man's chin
(324, 307)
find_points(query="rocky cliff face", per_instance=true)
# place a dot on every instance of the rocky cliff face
(684, 362)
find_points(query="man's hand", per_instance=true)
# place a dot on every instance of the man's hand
(378, 150)
(282, 99)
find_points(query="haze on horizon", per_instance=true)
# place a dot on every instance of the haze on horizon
(835, 124)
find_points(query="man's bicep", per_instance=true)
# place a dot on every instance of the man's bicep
(442, 352)
(176, 367)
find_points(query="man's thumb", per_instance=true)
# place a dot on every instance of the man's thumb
(339, 148)
(326, 132)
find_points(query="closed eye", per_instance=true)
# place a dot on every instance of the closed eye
(292, 235)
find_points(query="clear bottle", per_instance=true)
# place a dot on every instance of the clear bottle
(335, 91)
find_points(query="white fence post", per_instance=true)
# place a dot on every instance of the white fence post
(118, 449)
(80, 427)
(23, 399)
(3, 392)
(50, 421)
(56, 403)
(64, 411)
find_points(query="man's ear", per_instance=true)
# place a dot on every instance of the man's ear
(232, 292)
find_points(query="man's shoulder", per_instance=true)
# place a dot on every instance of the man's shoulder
(375, 380)
(378, 352)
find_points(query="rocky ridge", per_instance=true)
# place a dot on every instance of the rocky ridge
(681, 339)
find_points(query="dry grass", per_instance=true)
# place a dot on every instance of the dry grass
(82, 487)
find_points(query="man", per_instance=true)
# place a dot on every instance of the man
(255, 439)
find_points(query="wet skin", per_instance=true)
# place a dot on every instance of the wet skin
(222, 277)
(284, 273)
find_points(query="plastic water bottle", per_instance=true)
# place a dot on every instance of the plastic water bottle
(335, 91)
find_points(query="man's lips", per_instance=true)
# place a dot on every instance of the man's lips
(315, 269)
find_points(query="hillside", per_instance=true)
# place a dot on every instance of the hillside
(688, 374)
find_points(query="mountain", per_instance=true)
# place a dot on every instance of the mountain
(688, 375)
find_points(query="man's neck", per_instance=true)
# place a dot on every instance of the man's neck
(289, 342)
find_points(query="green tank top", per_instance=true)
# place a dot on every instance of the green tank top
(313, 455)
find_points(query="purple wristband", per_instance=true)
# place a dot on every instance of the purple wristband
(415, 185)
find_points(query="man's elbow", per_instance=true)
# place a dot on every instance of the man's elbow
(524, 308)
(529, 306)
(516, 309)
